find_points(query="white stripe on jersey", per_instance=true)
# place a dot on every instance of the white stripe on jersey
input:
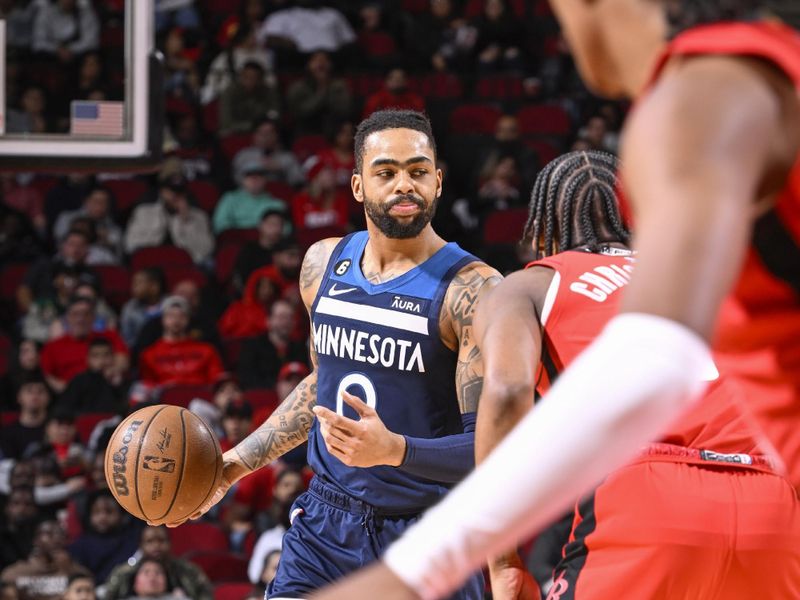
(372, 314)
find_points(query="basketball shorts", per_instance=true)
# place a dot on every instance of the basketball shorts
(333, 535)
(658, 530)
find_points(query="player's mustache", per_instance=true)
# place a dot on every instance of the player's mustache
(405, 198)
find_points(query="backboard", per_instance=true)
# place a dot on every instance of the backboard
(111, 121)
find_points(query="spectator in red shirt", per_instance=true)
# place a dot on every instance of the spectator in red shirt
(248, 317)
(395, 94)
(323, 204)
(176, 358)
(65, 357)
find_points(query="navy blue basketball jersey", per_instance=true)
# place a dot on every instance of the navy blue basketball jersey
(381, 342)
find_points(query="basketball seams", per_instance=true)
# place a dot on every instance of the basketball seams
(183, 465)
(136, 462)
(218, 469)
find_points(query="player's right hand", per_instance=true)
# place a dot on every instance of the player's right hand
(224, 485)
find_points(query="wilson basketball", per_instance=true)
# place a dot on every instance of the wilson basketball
(162, 463)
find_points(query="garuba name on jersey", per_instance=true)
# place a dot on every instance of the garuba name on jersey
(601, 282)
(381, 343)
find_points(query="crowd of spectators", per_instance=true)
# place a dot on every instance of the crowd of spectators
(180, 286)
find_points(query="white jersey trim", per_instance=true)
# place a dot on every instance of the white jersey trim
(550, 298)
(372, 314)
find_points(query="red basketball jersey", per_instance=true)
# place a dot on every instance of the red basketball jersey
(584, 295)
(757, 341)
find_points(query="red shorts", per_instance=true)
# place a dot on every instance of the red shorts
(679, 531)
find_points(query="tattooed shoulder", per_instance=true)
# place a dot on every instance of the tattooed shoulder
(315, 261)
(462, 295)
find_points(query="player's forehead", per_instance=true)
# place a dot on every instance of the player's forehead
(399, 144)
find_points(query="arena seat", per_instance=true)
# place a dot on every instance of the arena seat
(174, 274)
(182, 395)
(281, 190)
(126, 193)
(206, 193)
(224, 261)
(438, 86)
(499, 87)
(116, 284)
(160, 256)
(211, 117)
(543, 119)
(237, 236)
(307, 237)
(85, 424)
(546, 151)
(474, 118)
(231, 348)
(231, 144)
(308, 145)
(221, 566)
(232, 591)
(505, 226)
(197, 536)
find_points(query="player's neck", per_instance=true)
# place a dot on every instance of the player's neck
(385, 255)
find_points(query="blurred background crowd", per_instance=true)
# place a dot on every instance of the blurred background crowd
(180, 286)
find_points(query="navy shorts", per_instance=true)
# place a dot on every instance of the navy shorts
(333, 535)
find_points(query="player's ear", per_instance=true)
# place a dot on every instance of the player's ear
(439, 178)
(356, 184)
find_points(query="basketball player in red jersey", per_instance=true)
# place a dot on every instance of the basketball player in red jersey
(636, 535)
(711, 171)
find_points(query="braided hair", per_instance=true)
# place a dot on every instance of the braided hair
(684, 14)
(575, 193)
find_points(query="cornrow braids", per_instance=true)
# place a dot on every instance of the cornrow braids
(575, 194)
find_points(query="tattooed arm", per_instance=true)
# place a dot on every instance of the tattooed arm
(448, 459)
(287, 427)
(458, 309)
(510, 312)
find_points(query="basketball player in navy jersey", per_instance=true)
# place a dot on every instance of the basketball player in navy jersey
(389, 409)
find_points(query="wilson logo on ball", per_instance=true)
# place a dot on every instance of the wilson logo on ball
(120, 480)
(157, 463)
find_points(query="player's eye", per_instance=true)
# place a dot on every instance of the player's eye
(419, 172)
(384, 174)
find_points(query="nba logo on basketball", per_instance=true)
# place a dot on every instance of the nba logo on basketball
(157, 463)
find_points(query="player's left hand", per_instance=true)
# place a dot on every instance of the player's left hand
(362, 443)
(362, 586)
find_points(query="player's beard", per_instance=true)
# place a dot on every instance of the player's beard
(394, 228)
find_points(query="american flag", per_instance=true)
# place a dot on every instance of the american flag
(97, 118)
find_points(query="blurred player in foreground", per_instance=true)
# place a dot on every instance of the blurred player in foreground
(710, 166)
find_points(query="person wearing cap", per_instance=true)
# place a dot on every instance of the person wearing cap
(322, 203)
(242, 208)
(177, 358)
(64, 357)
(170, 219)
